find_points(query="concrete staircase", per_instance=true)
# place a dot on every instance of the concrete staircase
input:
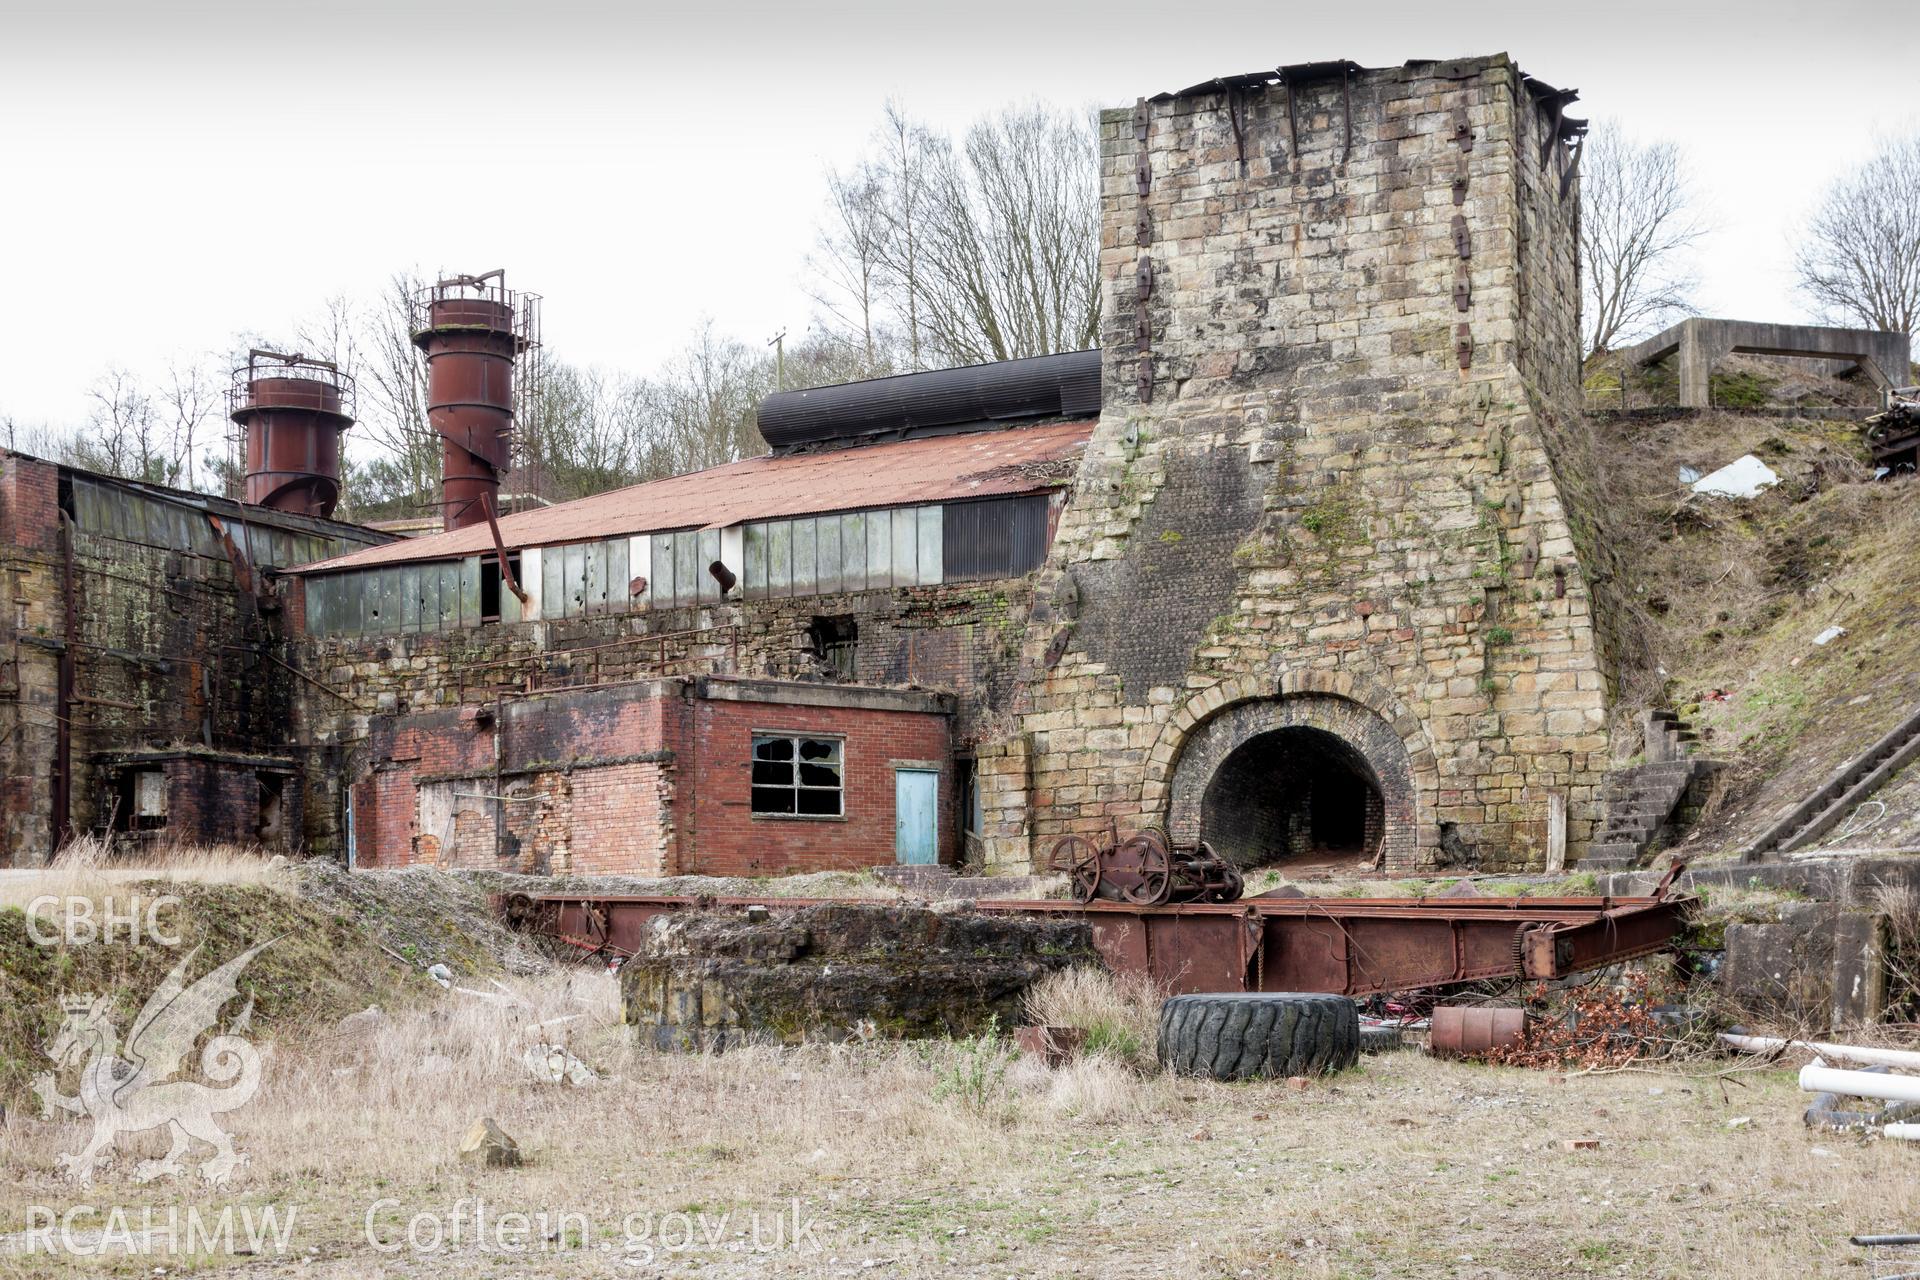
(1647, 801)
(1837, 797)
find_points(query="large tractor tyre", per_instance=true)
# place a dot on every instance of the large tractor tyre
(1243, 1036)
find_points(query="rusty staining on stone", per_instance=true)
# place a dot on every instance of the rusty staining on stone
(1236, 117)
(1570, 169)
(1143, 236)
(1346, 99)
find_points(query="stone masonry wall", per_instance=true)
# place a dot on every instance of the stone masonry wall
(1336, 483)
(32, 623)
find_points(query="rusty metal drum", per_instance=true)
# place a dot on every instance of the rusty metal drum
(1463, 1031)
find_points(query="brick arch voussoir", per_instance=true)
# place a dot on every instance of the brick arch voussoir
(1156, 791)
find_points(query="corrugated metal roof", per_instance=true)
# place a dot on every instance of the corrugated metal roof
(898, 473)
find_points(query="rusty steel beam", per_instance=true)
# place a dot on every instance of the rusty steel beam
(1363, 946)
(1347, 946)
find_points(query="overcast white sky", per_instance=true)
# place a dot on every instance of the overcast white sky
(172, 173)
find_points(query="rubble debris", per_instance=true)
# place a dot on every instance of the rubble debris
(1817, 1077)
(1828, 636)
(1744, 477)
(487, 1144)
(553, 1064)
(1893, 436)
(1825, 1112)
(1591, 1026)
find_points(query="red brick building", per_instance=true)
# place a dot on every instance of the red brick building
(711, 776)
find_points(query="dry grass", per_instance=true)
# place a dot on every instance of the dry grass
(1405, 1166)
(89, 868)
(1899, 906)
(1120, 1014)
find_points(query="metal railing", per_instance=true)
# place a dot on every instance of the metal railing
(295, 367)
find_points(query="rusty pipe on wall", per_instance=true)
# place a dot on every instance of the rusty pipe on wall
(62, 815)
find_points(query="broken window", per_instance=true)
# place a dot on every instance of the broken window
(833, 642)
(271, 829)
(149, 811)
(797, 777)
(490, 585)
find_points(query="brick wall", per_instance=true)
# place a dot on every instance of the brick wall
(644, 778)
(729, 839)
(215, 801)
(1336, 487)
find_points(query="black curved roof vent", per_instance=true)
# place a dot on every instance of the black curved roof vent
(980, 395)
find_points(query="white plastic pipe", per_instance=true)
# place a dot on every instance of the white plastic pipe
(1846, 1052)
(1815, 1078)
(1911, 1132)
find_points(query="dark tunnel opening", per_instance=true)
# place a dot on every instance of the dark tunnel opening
(1292, 797)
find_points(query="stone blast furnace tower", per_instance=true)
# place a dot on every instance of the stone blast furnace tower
(291, 411)
(472, 329)
(1331, 590)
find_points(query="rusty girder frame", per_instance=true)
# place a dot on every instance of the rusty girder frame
(1361, 946)
(1349, 946)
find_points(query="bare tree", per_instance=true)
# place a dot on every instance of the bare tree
(1859, 257)
(984, 251)
(124, 435)
(1637, 221)
(588, 437)
(702, 408)
(403, 454)
(190, 401)
(849, 269)
(1013, 239)
(899, 185)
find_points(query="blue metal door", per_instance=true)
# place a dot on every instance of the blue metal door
(916, 816)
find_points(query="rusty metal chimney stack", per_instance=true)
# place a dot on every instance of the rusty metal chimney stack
(292, 410)
(472, 329)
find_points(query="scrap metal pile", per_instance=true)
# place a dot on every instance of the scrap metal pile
(1894, 434)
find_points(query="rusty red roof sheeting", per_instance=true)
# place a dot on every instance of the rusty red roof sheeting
(947, 468)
